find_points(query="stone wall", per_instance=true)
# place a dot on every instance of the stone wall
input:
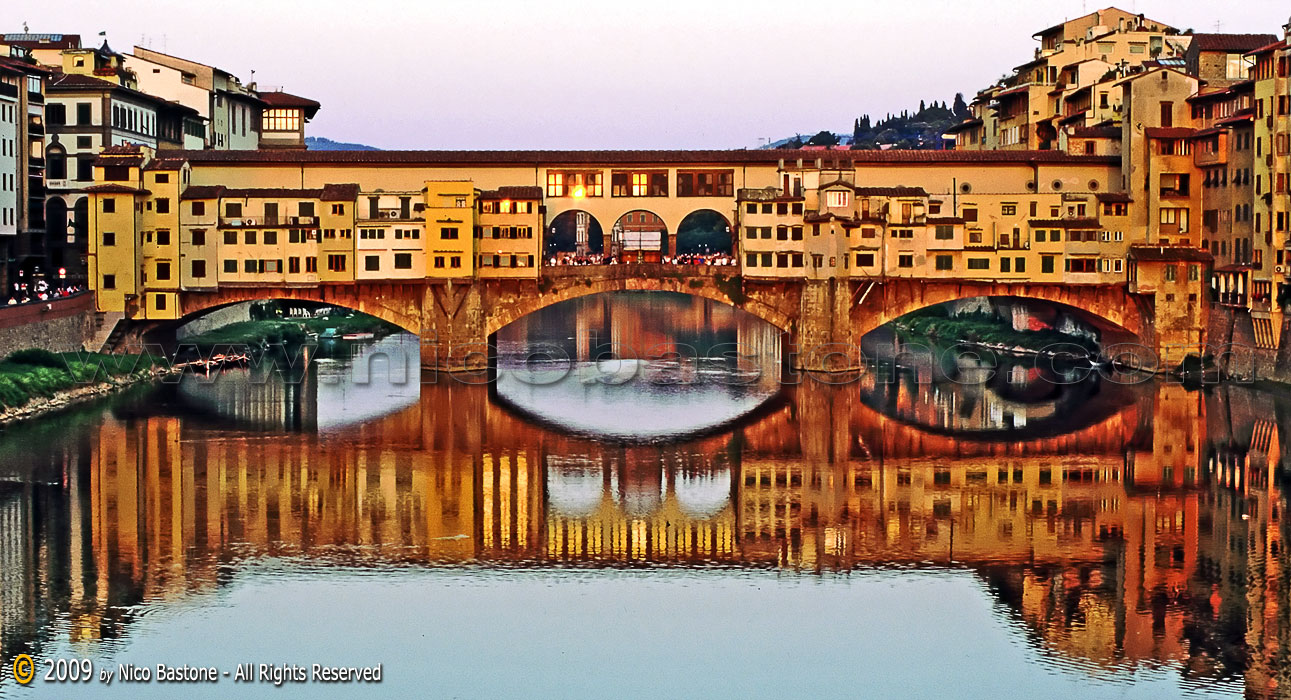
(61, 326)
(1231, 339)
(216, 319)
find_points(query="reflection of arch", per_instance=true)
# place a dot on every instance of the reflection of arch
(574, 231)
(704, 231)
(640, 235)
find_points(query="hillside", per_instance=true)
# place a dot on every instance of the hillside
(318, 143)
(917, 130)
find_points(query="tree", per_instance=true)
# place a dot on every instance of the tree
(922, 107)
(960, 109)
(823, 138)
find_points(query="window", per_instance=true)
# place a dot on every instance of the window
(403, 261)
(160, 302)
(249, 237)
(1006, 265)
(1008, 209)
(1046, 264)
(837, 198)
(233, 210)
(705, 183)
(944, 262)
(979, 263)
(163, 236)
(1019, 264)
(1082, 265)
(84, 114)
(336, 263)
(751, 260)
(944, 232)
(639, 184)
(281, 120)
(109, 281)
(864, 259)
(905, 260)
(199, 208)
(371, 263)
(230, 266)
(55, 114)
(230, 238)
(1170, 273)
(970, 213)
(161, 178)
(448, 233)
(1167, 113)
(109, 205)
(338, 208)
(109, 238)
(199, 269)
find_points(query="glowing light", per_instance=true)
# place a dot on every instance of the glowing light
(580, 192)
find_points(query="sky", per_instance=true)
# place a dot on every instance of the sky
(499, 74)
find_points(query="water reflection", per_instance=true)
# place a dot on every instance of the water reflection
(1142, 545)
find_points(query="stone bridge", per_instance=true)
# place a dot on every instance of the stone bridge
(823, 320)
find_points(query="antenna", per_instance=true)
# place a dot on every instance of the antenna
(24, 28)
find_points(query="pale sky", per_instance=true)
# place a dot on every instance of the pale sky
(488, 74)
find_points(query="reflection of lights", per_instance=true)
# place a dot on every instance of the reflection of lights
(580, 192)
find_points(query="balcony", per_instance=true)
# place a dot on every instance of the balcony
(392, 215)
(1173, 192)
(7, 90)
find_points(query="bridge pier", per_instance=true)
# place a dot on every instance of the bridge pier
(823, 338)
(454, 336)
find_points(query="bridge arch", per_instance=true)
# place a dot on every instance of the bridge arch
(1119, 316)
(573, 231)
(704, 231)
(399, 304)
(715, 283)
(640, 235)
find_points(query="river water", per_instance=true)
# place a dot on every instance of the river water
(677, 521)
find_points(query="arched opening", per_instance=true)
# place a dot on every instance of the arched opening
(573, 235)
(704, 235)
(55, 162)
(56, 219)
(639, 236)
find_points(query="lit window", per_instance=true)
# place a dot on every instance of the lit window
(837, 198)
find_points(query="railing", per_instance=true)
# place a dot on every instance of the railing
(637, 270)
(268, 222)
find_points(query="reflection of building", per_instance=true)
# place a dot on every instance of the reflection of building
(1109, 559)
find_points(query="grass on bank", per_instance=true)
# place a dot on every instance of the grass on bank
(31, 374)
(981, 327)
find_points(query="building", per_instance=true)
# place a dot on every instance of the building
(231, 110)
(282, 124)
(22, 168)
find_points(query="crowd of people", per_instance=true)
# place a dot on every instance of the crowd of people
(719, 259)
(23, 293)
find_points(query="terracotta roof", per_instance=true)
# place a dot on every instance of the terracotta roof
(1267, 48)
(203, 192)
(1073, 118)
(347, 192)
(22, 66)
(1208, 132)
(280, 99)
(512, 193)
(124, 150)
(1113, 197)
(1065, 223)
(135, 160)
(1168, 132)
(1241, 115)
(557, 158)
(891, 191)
(165, 163)
(1231, 43)
(115, 189)
(271, 193)
(1169, 254)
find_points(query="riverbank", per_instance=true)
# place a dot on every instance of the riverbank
(989, 331)
(36, 382)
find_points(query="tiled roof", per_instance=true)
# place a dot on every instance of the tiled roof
(558, 158)
(135, 160)
(1168, 132)
(1113, 197)
(1065, 223)
(115, 189)
(203, 192)
(124, 150)
(1231, 43)
(347, 192)
(1241, 115)
(272, 193)
(1073, 118)
(1169, 254)
(891, 191)
(164, 163)
(1267, 48)
(512, 193)
(288, 100)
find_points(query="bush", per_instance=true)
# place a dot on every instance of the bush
(37, 357)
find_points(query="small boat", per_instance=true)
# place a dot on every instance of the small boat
(358, 336)
(329, 334)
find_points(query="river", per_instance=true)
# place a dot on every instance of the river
(677, 521)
